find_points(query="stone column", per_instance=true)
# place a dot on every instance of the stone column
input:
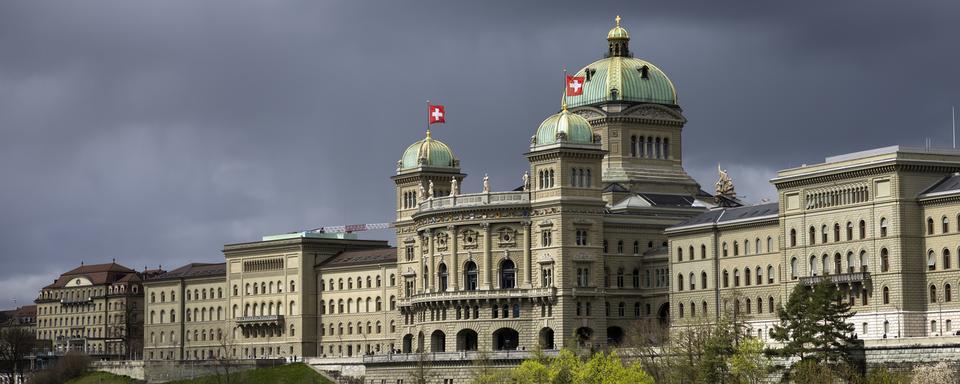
(431, 239)
(527, 272)
(453, 276)
(487, 257)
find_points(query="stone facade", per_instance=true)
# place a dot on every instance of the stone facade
(95, 309)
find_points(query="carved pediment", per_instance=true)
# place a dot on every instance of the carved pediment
(654, 112)
(589, 114)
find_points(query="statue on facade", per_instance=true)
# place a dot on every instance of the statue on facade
(423, 193)
(526, 180)
(486, 183)
(430, 190)
(454, 187)
(725, 186)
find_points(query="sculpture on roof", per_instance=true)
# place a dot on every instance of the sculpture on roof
(423, 193)
(430, 190)
(454, 187)
(724, 185)
(486, 183)
(526, 180)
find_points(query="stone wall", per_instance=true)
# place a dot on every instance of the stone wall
(164, 371)
(130, 368)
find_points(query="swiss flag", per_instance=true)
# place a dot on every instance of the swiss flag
(574, 85)
(436, 114)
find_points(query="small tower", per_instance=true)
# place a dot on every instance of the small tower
(422, 162)
(619, 40)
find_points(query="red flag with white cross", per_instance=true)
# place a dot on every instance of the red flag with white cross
(436, 114)
(574, 85)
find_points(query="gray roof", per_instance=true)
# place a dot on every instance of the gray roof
(720, 216)
(194, 270)
(949, 184)
(364, 257)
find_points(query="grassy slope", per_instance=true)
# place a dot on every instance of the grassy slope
(102, 378)
(298, 373)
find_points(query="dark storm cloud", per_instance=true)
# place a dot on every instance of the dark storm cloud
(156, 132)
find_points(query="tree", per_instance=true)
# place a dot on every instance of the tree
(940, 373)
(16, 343)
(605, 368)
(749, 365)
(813, 324)
(531, 371)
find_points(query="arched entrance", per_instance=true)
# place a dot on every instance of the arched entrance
(663, 314)
(438, 341)
(407, 343)
(614, 336)
(583, 335)
(505, 339)
(420, 343)
(546, 338)
(467, 340)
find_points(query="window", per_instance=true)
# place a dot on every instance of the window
(823, 234)
(945, 225)
(581, 237)
(693, 282)
(746, 276)
(620, 277)
(947, 293)
(736, 249)
(703, 280)
(770, 274)
(793, 237)
(545, 238)
(929, 226)
(606, 248)
(636, 278)
(680, 282)
(636, 247)
(813, 236)
(933, 293)
(836, 232)
(759, 275)
(946, 258)
(508, 275)
(724, 247)
(813, 265)
(931, 261)
(703, 251)
(726, 278)
(849, 231)
(441, 278)
(470, 276)
(620, 247)
(884, 260)
(883, 227)
(863, 229)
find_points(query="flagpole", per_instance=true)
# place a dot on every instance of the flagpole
(565, 85)
(428, 117)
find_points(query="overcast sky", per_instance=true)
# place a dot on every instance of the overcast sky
(155, 132)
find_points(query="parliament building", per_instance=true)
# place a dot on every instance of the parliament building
(607, 239)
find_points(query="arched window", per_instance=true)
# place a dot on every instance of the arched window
(724, 247)
(680, 282)
(736, 248)
(441, 277)
(793, 268)
(736, 277)
(703, 251)
(947, 293)
(883, 227)
(813, 236)
(849, 231)
(946, 258)
(886, 295)
(746, 276)
(836, 231)
(931, 261)
(863, 261)
(470, 276)
(823, 234)
(703, 280)
(769, 274)
(759, 275)
(746, 247)
(933, 293)
(679, 253)
(726, 278)
(636, 247)
(863, 229)
(929, 225)
(884, 260)
(813, 265)
(508, 275)
(793, 237)
(633, 146)
(620, 247)
(945, 225)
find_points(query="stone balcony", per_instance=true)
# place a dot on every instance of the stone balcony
(76, 301)
(260, 320)
(479, 295)
(842, 278)
(474, 200)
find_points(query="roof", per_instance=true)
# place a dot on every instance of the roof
(194, 270)
(659, 200)
(564, 127)
(728, 215)
(363, 257)
(97, 274)
(428, 152)
(623, 79)
(946, 186)
(615, 187)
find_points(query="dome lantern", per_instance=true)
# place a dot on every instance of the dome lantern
(618, 40)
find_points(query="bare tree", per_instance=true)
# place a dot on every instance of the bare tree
(225, 358)
(16, 343)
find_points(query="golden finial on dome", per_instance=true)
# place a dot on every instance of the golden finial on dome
(618, 20)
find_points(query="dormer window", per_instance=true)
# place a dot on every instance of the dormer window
(644, 72)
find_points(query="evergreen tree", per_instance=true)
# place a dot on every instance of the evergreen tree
(813, 323)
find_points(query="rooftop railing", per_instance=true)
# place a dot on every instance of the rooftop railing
(490, 294)
(474, 200)
(454, 356)
(842, 278)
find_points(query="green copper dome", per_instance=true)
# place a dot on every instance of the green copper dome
(621, 77)
(428, 152)
(624, 79)
(571, 127)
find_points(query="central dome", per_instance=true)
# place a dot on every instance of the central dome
(621, 77)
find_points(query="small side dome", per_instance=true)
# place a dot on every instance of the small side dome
(618, 32)
(563, 127)
(428, 152)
